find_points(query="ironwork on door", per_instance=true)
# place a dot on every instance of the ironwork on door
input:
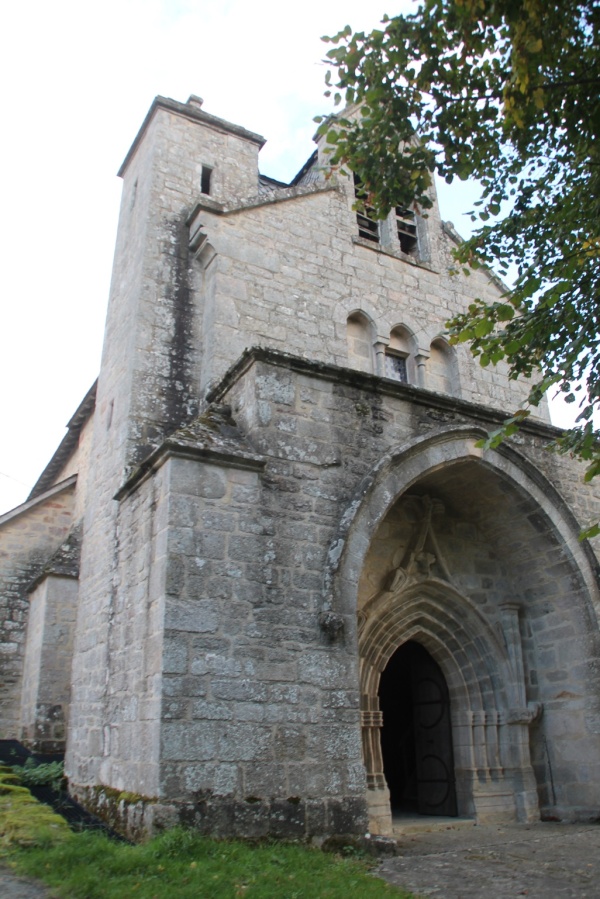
(436, 788)
(416, 739)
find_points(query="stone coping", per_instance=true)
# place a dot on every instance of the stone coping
(194, 113)
(374, 384)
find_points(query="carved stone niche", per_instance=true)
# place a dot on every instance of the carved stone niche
(423, 558)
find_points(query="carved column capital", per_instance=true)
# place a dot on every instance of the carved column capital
(525, 715)
(510, 605)
(371, 719)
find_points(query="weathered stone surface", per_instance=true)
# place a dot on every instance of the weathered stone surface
(268, 517)
(30, 535)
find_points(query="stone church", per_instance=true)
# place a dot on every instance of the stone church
(269, 583)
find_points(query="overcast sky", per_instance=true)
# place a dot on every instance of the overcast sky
(78, 80)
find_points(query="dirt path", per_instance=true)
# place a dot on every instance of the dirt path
(13, 887)
(540, 861)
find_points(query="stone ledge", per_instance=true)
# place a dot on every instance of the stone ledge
(212, 437)
(252, 818)
(280, 195)
(395, 254)
(373, 384)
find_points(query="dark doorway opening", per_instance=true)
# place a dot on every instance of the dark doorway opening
(416, 738)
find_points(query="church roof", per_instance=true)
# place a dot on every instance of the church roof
(67, 444)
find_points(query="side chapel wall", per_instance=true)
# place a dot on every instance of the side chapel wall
(29, 534)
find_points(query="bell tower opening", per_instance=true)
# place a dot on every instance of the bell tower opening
(416, 738)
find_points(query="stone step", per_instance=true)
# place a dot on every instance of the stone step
(403, 825)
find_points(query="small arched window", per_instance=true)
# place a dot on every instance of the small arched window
(398, 355)
(441, 368)
(360, 342)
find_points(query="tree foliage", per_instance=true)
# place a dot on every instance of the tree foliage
(506, 92)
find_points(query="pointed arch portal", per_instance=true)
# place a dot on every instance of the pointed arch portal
(468, 568)
(491, 774)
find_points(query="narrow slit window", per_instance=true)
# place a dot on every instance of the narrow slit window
(368, 226)
(407, 230)
(205, 179)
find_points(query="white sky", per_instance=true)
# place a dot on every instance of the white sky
(79, 78)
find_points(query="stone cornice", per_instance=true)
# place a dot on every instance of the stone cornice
(439, 402)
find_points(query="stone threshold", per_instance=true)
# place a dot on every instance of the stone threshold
(405, 824)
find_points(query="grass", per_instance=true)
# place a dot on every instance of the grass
(23, 820)
(179, 864)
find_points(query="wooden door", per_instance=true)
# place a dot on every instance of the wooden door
(436, 788)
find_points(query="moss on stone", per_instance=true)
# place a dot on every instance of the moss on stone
(24, 821)
(112, 795)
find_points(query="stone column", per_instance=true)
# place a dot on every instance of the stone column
(371, 723)
(421, 358)
(479, 744)
(378, 795)
(492, 723)
(379, 349)
(512, 637)
(520, 716)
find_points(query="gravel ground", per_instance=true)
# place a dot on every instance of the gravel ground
(540, 861)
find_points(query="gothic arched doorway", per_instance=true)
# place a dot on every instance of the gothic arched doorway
(416, 737)
(475, 557)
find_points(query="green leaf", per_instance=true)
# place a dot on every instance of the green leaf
(505, 313)
(483, 328)
(486, 90)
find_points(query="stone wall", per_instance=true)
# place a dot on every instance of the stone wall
(234, 671)
(289, 271)
(29, 535)
(219, 672)
(261, 712)
(499, 542)
(46, 678)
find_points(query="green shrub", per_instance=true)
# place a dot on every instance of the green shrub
(41, 774)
